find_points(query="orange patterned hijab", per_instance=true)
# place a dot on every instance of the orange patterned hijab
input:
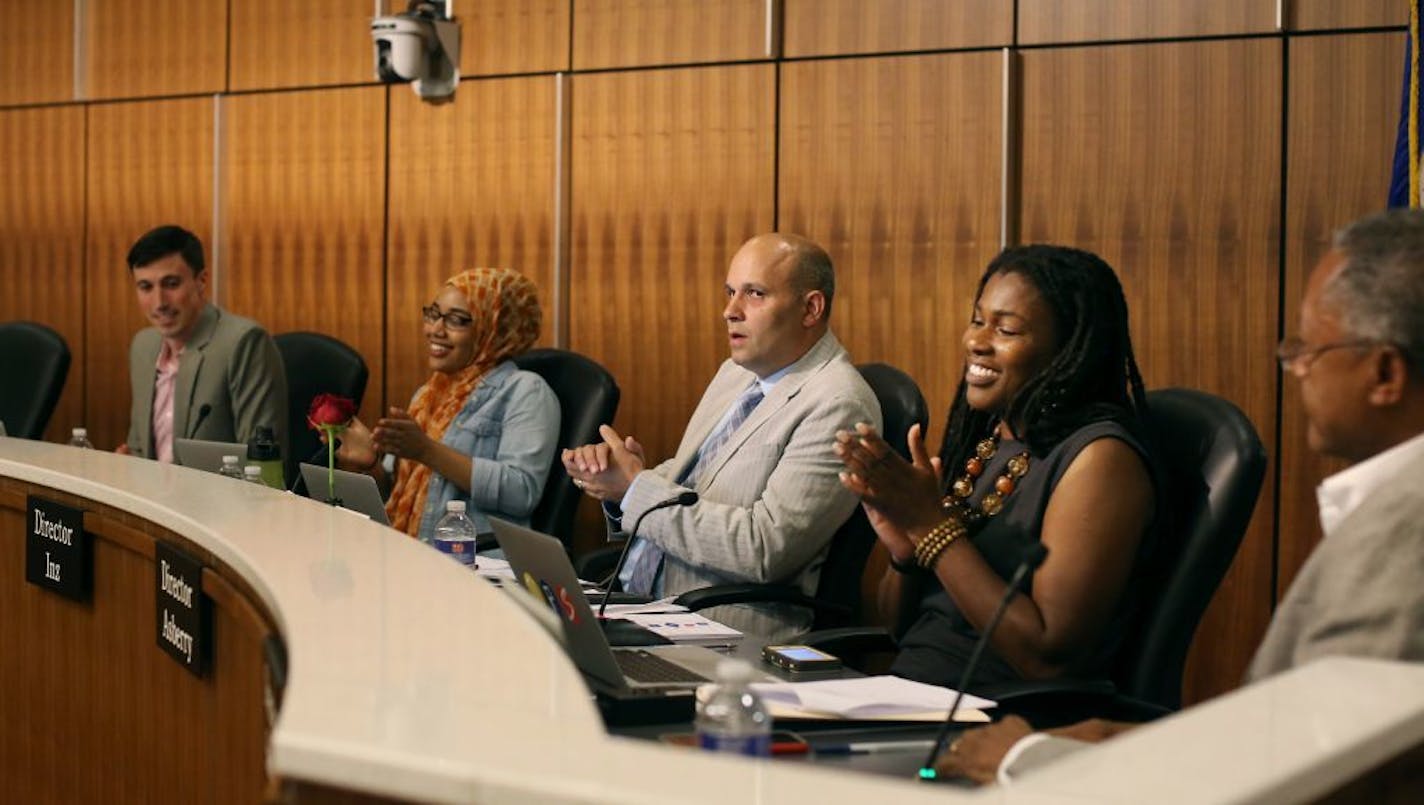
(505, 307)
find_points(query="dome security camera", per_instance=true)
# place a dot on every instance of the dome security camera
(420, 47)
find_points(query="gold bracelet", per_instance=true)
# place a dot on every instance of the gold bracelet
(935, 542)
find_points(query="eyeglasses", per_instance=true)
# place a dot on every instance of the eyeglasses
(1296, 356)
(454, 320)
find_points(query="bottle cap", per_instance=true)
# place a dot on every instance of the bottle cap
(79, 432)
(732, 669)
(455, 507)
(263, 445)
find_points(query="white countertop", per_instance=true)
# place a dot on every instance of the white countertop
(410, 676)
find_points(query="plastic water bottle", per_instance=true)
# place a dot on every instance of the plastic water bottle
(79, 437)
(231, 468)
(263, 450)
(733, 718)
(455, 534)
(253, 474)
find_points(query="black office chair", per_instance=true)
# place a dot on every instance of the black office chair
(34, 362)
(837, 601)
(1214, 464)
(588, 397)
(315, 364)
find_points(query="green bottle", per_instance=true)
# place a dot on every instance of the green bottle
(263, 450)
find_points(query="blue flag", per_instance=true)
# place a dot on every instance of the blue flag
(1404, 189)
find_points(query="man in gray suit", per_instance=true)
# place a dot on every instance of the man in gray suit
(1359, 359)
(757, 450)
(199, 372)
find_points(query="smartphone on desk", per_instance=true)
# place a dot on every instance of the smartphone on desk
(800, 658)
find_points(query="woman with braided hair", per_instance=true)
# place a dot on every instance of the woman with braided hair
(480, 430)
(1042, 445)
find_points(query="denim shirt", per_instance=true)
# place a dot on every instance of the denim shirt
(509, 427)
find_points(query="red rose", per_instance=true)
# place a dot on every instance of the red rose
(330, 410)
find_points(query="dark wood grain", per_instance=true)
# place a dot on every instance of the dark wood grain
(1165, 160)
(628, 33)
(150, 163)
(303, 200)
(830, 27)
(471, 185)
(1048, 21)
(42, 236)
(1344, 104)
(904, 192)
(672, 171)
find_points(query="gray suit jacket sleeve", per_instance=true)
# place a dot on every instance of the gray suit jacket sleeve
(1361, 592)
(257, 387)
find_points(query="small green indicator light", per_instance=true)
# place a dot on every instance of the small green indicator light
(927, 774)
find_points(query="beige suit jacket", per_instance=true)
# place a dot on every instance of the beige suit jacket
(771, 500)
(1361, 592)
(230, 364)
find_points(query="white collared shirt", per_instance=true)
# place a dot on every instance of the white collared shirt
(1344, 491)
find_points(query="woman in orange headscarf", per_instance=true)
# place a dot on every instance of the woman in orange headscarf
(480, 430)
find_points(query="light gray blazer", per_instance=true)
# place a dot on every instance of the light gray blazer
(229, 363)
(1361, 592)
(772, 498)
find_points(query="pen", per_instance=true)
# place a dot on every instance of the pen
(873, 747)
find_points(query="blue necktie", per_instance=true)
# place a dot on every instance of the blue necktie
(639, 578)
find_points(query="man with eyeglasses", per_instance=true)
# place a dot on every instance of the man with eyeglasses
(1359, 361)
(199, 372)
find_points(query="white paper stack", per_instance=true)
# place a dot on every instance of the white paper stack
(867, 698)
(687, 627)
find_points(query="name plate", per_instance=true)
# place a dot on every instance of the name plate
(56, 548)
(183, 621)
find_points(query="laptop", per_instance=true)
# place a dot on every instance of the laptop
(357, 491)
(207, 456)
(543, 569)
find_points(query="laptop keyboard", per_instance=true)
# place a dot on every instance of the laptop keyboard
(641, 666)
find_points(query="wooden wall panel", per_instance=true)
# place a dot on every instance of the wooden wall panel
(471, 184)
(1165, 160)
(1308, 15)
(303, 208)
(628, 33)
(36, 53)
(42, 236)
(155, 47)
(1344, 105)
(150, 163)
(88, 683)
(513, 36)
(892, 164)
(275, 43)
(672, 171)
(828, 27)
(1047, 21)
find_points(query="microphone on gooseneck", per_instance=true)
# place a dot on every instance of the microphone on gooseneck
(202, 416)
(1033, 556)
(682, 499)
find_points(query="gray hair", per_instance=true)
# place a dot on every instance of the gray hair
(1379, 291)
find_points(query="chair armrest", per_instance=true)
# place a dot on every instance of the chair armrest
(598, 563)
(1056, 702)
(723, 594)
(851, 641)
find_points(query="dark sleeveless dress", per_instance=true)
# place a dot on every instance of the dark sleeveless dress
(936, 646)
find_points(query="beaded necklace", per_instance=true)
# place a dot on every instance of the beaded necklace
(956, 503)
